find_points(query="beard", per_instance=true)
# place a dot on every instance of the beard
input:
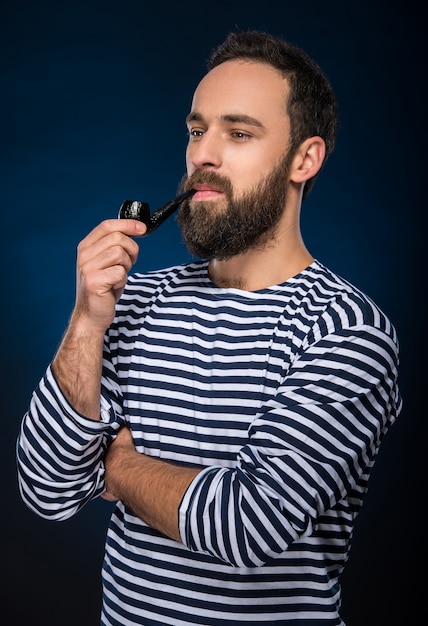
(245, 223)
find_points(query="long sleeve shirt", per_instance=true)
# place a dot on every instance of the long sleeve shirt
(282, 396)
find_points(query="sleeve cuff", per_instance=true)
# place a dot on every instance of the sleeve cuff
(109, 420)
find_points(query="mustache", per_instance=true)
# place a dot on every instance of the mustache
(220, 182)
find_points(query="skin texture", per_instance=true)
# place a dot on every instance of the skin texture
(238, 128)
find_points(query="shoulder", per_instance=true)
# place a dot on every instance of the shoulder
(344, 306)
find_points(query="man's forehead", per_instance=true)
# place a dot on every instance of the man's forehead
(239, 84)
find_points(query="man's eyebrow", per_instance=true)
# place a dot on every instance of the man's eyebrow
(194, 117)
(241, 118)
(229, 118)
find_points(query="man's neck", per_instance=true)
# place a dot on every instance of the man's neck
(259, 269)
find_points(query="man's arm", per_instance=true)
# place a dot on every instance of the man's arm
(311, 447)
(104, 258)
(151, 488)
(62, 441)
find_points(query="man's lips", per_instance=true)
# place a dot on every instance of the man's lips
(205, 191)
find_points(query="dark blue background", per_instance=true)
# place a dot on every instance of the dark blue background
(93, 101)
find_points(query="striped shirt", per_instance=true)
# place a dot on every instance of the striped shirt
(282, 396)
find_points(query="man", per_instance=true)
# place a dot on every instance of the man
(233, 406)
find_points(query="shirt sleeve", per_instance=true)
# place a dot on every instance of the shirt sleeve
(307, 450)
(60, 452)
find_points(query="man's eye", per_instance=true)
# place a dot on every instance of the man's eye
(194, 132)
(238, 134)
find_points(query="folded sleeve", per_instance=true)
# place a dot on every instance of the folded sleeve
(60, 452)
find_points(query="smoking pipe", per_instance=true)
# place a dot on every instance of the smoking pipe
(135, 210)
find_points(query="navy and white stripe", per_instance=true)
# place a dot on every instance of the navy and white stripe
(283, 397)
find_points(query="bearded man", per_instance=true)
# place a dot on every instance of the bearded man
(232, 406)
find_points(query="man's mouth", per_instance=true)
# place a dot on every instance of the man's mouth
(205, 191)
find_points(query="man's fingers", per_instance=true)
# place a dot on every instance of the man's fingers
(109, 234)
(108, 496)
(132, 228)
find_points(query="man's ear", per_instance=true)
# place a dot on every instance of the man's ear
(307, 160)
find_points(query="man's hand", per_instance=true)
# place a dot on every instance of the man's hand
(104, 259)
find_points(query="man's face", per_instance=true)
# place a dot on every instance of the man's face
(236, 160)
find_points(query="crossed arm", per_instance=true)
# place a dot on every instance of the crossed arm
(327, 469)
(152, 488)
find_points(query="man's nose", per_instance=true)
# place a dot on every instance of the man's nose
(205, 152)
